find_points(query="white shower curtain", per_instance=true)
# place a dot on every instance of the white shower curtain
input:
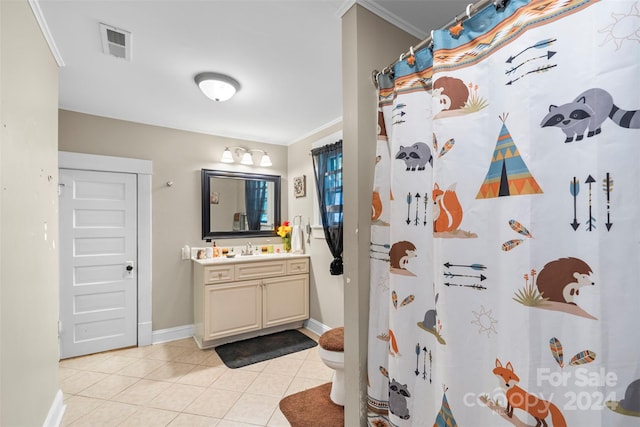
(504, 251)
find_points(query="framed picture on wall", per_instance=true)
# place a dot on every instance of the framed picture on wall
(300, 186)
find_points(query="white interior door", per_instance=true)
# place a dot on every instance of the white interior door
(98, 261)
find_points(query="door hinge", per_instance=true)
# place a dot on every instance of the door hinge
(59, 328)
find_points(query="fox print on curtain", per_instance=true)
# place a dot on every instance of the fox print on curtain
(504, 248)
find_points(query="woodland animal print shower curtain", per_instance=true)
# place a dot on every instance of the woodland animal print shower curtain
(505, 244)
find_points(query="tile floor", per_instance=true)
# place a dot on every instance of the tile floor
(177, 384)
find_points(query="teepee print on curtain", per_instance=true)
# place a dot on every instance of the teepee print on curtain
(510, 240)
(508, 174)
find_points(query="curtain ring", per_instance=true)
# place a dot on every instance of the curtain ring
(469, 10)
(374, 77)
(500, 4)
(411, 60)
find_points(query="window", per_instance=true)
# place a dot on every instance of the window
(333, 190)
(264, 215)
(327, 165)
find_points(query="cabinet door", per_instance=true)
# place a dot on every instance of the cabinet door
(285, 299)
(232, 309)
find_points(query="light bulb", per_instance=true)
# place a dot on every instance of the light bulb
(227, 157)
(265, 161)
(246, 159)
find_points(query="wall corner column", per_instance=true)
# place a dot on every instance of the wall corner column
(368, 43)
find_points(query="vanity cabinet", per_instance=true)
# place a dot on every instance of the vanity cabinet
(237, 300)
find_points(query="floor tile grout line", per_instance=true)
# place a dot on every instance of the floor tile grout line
(183, 352)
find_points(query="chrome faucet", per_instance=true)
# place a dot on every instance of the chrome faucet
(248, 250)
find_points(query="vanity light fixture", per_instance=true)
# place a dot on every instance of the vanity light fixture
(218, 87)
(245, 156)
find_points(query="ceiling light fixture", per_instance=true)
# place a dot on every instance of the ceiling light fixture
(244, 154)
(218, 87)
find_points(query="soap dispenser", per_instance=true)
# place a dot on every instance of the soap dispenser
(216, 250)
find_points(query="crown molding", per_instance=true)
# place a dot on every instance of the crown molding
(42, 22)
(373, 7)
(316, 130)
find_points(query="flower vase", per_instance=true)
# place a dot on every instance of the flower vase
(286, 243)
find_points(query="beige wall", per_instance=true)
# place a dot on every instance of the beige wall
(368, 43)
(28, 219)
(326, 303)
(177, 156)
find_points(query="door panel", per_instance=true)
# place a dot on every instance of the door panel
(98, 240)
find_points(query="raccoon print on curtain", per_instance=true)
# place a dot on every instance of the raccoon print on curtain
(504, 248)
(402, 245)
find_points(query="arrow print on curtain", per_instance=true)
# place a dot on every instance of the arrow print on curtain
(574, 190)
(416, 219)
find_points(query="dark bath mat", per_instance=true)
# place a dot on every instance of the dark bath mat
(254, 350)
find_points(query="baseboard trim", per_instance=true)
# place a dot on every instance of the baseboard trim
(186, 331)
(56, 412)
(172, 334)
(316, 327)
(145, 334)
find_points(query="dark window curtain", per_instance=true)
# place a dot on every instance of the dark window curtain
(255, 195)
(327, 164)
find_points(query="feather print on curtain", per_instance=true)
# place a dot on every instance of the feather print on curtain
(504, 249)
(401, 245)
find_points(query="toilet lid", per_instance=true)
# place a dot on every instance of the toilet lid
(333, 339)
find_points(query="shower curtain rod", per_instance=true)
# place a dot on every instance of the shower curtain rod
(472, 8)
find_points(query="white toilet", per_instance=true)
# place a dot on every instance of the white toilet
(331, 352)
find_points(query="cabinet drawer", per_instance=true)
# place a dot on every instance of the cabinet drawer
(218, 273)
(298, 266)
(257, 270)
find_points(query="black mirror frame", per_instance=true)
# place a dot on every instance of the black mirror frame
(207, 233)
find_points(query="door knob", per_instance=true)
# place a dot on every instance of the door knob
(129, 268)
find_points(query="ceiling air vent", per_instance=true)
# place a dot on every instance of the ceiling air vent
(116, 42)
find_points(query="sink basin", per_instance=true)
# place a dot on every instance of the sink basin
(254, 257)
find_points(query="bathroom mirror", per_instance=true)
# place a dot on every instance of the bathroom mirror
(238, 204)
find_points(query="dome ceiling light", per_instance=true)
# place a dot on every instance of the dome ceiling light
(218, 87)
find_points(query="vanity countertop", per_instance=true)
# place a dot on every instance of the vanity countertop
(249, 258)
